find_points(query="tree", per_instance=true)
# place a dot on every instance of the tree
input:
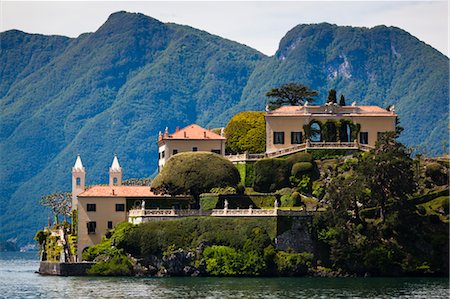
(342, 100)
(388, 172)
(292, 94)
(60, 203)
(195, 173)
(332, 96)
(246, 132)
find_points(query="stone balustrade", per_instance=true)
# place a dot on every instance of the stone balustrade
(216, 213)
(300, 147)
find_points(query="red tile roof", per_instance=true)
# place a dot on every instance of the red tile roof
(347, 110)
(194, 132)
(119, 191)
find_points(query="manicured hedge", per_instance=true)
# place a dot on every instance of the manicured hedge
(301, 168)
(271, 175)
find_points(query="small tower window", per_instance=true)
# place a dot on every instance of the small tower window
(78, 181)
(115, 181)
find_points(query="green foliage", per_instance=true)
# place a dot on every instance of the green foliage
(342, 100)
(90, 253)
(195, 173)
(301, 168)
(208, 201)
(41, 237)
(292, 264)
(299, 157)
(223, 191)
(292, 94)
(332, 96)
(271, 175)
(114, 263)
(437, 173)
(246, 132)
(154, 238)
(137, 182)
(247, 173)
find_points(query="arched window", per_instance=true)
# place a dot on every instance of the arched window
(345, 133)
(316, 135)
(115, 181)
(329, 133)
(78, 181)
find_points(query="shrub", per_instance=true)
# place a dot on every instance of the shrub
(437, 173)
(246, 131)
(271, 175)
(224, 191)
(300, 157)
(208, 201)
(292, 264)
(301, 168)
(296, 198)
(221, 260)
(195, 173)
(114, 263)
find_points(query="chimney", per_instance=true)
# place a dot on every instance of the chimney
(177, 129)
(166, 132)
(160, 137)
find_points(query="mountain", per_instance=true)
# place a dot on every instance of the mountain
(113, 90)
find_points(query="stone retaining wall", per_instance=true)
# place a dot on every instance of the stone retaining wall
(64, 269)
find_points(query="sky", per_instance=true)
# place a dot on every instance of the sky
(258, 24)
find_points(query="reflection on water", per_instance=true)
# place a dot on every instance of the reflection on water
(19, 280)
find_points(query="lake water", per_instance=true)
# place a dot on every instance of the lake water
(19, 280)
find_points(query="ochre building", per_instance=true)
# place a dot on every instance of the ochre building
(289, 126)
(192, 138)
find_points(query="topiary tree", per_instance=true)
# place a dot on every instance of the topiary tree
(292, 94)
(332, 96)
(246, 131)
(342, 100)
(195, 173)
(271, 174)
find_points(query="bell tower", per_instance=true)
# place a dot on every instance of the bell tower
(115, 173)
(78, 181)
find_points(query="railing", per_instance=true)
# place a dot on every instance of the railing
(217, 213)
(300, 147)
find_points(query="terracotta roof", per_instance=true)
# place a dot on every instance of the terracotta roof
(345, 110)
(194, 132)
(119, 191)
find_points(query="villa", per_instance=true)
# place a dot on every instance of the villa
(289, 129)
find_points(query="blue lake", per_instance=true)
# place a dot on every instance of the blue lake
(19, 280)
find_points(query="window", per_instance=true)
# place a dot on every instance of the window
(115, 181)
(78, 181)
(91, 207)
(364, 137)
(91, 226)
(174, 152)
(296, 137)
(278, 137)
(163, 154)
(216, 151)
(110, 226)
(194, 149)
(159, 156)
(120, 207)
